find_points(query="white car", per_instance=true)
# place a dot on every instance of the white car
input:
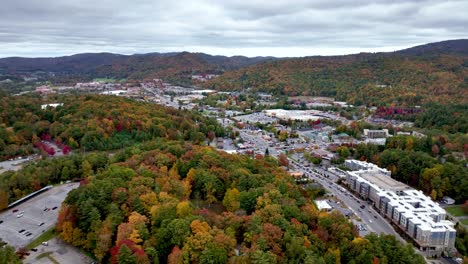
(20, 215)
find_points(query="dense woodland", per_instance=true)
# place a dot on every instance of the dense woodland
(203, 206)
(94, 122)
(169, 199)
(364, 79)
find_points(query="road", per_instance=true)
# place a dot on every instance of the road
(368, 216)
(373, 220)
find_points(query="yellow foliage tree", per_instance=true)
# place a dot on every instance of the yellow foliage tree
(191, 174)
(148, 200)
(136, 219)
(173, 172)
(135, 237)
(199, 227)
(67, 232)
(3, 199)
(184, 209)
(231, 200)
(78, 237)
(187, 187)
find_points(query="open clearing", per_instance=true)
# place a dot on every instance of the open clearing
(456, 210)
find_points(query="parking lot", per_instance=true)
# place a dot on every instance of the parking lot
(14, 164)
(25, 222)
(60, 252)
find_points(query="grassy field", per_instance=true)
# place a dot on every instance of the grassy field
(456, 210)
(464, 221)
(46, 236)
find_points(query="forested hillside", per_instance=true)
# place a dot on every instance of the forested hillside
(173, 67)
(198, 205)
(166, 198)
(93, 122)
(432, 73)
(435, 72)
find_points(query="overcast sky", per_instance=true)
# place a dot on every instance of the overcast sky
(280, 28)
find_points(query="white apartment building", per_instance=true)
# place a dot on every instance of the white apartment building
(413, 212)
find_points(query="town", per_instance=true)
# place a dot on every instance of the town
(310, 143)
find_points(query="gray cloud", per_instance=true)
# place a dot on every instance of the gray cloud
(247, 27)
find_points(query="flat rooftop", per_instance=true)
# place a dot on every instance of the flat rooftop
(322, 205)
(383, 181)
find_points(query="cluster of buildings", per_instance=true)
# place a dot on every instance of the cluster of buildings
(44, 89)
(45, 106)
(413, 212)
(203, 77)
(300, 115)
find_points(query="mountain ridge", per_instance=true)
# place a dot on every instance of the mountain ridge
(430, 72)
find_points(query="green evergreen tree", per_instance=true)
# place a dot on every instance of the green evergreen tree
(125, 256)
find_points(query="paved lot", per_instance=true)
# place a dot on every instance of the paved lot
(33, 216)
(256, 117)
(61, 252)
(13, 165)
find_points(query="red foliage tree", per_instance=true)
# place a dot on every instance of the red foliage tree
(65, 150)
(67, 213)
(136, 250)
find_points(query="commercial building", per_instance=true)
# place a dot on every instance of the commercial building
(382, 133)
(413, 212)
(323, 206)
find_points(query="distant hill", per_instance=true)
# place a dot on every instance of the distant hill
(457, 47)
(176, 66)
(67, 64)
(433, 72)
(430, 72)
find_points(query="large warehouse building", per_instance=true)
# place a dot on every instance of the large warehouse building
(413, 212)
